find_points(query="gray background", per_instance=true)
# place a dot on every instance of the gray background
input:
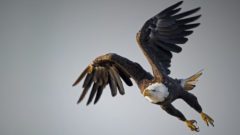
(44, 45)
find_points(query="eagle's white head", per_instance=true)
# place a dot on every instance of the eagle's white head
(156, 92)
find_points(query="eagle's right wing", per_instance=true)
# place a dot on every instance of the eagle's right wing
(109, 69)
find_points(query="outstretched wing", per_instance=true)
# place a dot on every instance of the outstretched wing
(109, 69)
(161, 34)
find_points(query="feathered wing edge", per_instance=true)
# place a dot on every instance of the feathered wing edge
(100, 76)
(160, 35)
(109, 69)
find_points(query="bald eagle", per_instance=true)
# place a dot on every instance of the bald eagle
(158, 38)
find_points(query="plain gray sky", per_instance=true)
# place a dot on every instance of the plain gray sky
(44, 45)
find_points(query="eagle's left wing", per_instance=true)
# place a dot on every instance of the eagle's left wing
(160, 35)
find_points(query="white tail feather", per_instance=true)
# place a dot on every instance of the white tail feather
(189, 83)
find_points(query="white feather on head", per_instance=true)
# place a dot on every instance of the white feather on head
(161, 92)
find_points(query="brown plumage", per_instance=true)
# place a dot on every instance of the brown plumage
(159, 37)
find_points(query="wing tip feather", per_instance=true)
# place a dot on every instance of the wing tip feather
(88, 69)
(172, 7)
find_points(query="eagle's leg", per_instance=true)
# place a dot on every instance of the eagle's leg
(170, 109)
(191, 100)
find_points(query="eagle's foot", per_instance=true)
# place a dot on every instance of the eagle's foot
(192, 124)
(207, 119)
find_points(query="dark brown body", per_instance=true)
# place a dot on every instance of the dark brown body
(144, 79)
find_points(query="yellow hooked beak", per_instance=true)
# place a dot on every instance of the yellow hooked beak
(146, 92)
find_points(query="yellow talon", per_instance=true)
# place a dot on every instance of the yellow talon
(207, 119)
(192, 124)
